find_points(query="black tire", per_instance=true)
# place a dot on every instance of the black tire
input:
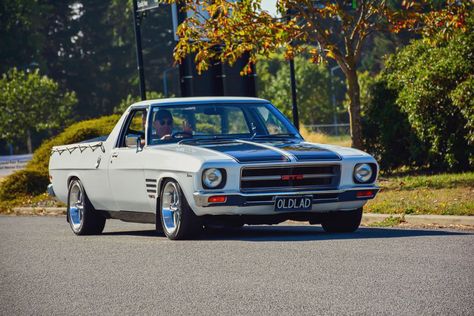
(177, 218)
(85, 222)
(158, 224)
(342, 221)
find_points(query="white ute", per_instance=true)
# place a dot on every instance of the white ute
(188, 163)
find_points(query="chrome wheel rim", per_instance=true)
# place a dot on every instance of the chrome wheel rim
(170, 208)
(76, 206)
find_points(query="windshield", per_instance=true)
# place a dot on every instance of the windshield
(171, 123)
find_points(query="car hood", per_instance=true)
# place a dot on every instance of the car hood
(274, 151)
(244, 151)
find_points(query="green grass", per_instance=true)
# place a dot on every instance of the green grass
(445, 194)
(388, 222)
(344, 140)
(441, 181)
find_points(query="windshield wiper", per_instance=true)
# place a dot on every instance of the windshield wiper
(214, 139)
(282, 135)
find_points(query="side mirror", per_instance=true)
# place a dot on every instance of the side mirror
(133, 141)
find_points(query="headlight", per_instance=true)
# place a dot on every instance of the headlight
(213, 178)
(363, 173)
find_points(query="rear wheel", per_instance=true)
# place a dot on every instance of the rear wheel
(177, 218)
(82, 217)
(343, 221)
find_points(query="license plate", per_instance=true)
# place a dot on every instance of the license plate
(293, 203)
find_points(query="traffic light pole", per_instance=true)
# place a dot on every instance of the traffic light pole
(138, 38)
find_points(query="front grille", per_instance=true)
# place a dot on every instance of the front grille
(285, 178)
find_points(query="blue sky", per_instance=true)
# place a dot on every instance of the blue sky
(270, 6)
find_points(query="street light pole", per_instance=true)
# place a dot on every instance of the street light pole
(138, 37)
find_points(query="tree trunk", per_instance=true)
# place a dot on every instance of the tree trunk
(354, 109)
(28, 142)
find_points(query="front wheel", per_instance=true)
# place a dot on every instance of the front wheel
(177, 218)
(342, 221)
(81, 215)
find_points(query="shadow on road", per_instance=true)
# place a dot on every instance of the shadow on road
(298, 233)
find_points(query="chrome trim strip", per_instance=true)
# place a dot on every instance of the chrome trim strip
(287, 188)
(305, 176)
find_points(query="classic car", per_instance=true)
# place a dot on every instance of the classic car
(190, 163)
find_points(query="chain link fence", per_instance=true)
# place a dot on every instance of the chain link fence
(342, 129)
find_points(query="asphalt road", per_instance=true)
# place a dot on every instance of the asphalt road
(277, 270)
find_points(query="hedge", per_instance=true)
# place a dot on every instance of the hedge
(35, 177)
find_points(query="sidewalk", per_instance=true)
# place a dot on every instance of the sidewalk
(367, 218)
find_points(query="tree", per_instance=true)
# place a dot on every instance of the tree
(130, 99)
(86, 46)
(314, 88)
(31, 103)
(226, 29)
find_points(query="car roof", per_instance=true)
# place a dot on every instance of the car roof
(198, 100)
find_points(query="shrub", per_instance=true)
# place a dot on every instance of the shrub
(463, 98)
(21, 183)
(387, 133)
(34, 179)
(434, 85)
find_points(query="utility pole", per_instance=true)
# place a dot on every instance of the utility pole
(137, 19)
(296, 120)
(294, 104)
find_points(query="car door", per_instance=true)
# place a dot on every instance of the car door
(125, 172)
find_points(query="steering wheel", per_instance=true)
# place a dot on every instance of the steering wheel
(181, 135)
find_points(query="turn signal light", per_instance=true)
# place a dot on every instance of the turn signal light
(217, 199)
(365, 193)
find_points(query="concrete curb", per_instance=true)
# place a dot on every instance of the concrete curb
(367, 218)
(443, 220)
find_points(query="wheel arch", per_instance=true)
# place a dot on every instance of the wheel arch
(161, 183)
(72, 177)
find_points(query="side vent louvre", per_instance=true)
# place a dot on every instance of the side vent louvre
(151, 187)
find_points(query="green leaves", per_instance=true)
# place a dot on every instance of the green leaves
(435, 86)
(31, 103)
(314, 88)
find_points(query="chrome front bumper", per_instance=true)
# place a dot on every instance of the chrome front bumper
(268, 198)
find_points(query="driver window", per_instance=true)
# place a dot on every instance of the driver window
(135, 126)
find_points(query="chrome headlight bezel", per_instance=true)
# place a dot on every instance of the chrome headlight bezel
(364, 173)
(213, 178)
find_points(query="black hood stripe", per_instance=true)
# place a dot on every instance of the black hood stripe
(303, 151)
(248, 152)
(277, 151)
